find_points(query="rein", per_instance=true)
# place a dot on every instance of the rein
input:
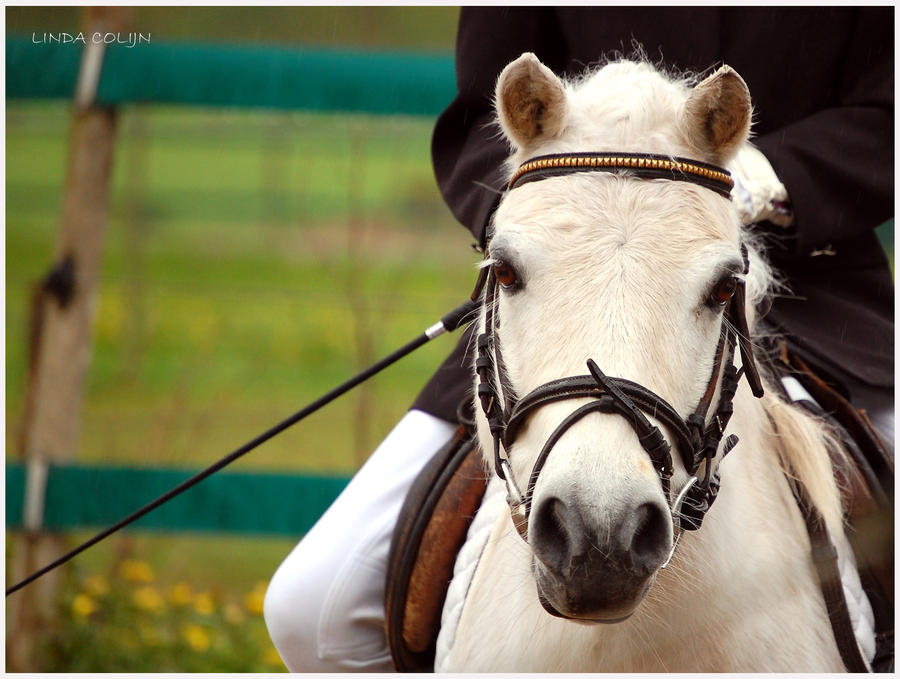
(696, 440)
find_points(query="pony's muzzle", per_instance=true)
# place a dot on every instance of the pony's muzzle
(595, 567)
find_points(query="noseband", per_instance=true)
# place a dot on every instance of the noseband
(696, 440)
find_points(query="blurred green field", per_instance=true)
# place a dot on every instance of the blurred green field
(252, 261)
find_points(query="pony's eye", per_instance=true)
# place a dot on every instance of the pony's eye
(505, 275)
(724, 291)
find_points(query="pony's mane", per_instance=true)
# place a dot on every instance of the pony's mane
(804, 440)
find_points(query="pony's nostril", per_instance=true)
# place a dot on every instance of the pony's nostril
(549, 534)
(649, 541)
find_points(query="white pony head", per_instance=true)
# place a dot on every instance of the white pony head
(628, 272)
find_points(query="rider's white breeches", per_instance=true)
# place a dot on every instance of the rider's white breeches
(324, 607)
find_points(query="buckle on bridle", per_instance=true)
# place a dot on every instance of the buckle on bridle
(514, 499)
(649, 435)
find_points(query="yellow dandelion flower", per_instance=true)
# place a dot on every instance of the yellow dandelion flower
(253, 600)
(271, 657)
(83, 606)
(233, 613)
(136, 571)
(204, 604)
(96, 585)
(148, 599)
(197, 638)
(181, 594)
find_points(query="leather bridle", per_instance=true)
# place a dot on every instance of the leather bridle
(696, 440)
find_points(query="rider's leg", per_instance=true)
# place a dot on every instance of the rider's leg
(324, 606)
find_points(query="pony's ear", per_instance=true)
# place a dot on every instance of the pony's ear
(531, 101)
(717, 114)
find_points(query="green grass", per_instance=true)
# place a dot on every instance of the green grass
(252, 261)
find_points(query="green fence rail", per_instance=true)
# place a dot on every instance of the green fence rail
(81, 497)
(231, 76)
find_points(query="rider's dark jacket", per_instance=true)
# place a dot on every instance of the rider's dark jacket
(821, 80)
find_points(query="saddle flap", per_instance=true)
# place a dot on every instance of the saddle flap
(431, 529)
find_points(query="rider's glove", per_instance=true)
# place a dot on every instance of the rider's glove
(758, 193)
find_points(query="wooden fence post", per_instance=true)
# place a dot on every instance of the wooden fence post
(61, 344)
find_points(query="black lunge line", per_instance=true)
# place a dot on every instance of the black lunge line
(448, 323)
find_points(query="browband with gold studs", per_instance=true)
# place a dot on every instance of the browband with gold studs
(644, 165)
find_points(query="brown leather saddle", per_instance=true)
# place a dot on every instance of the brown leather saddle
(440, 506)
(430, 531)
